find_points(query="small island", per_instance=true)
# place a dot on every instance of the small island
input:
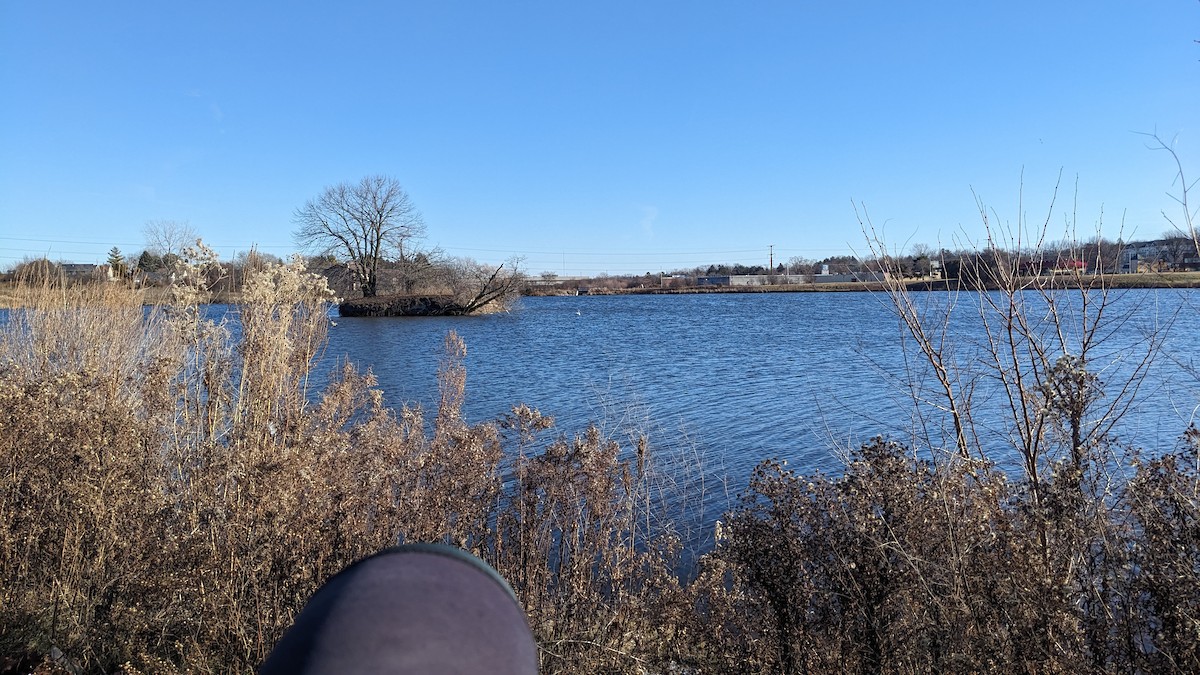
(365, 235)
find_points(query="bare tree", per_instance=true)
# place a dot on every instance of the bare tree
(800, 265)
(1186, 224)
(366, 222)
(1039, 356)
(921, 257)
(39, 272)
(168, 237)
(1177, 248)
(476, 286)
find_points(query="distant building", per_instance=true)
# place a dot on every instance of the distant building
(1070, 267)
(753, 280)
(861, 277)
(86, 272)
(1129, 262)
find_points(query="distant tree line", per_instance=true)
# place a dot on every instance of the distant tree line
(1174, 251)
(411, 270)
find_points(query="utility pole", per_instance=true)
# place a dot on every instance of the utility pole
(771, 266)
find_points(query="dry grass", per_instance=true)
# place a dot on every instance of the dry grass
(8, 294)
(170, 497)
(905, 565)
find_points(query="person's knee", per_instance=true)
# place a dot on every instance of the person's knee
(411, 609)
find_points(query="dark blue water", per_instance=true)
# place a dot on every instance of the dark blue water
(721, 382)
(740, 377)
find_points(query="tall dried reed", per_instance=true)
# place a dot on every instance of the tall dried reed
(929, 558)
(910, 565)
(172, 492)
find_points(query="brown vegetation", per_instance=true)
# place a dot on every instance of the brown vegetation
(170, 497)
(452, 288)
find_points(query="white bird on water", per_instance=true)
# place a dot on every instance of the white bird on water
(578, 313)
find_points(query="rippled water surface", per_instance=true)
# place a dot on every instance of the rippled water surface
(723, 381)
(740, 377)
(745, 377)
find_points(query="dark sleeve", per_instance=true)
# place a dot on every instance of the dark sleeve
(418, 608)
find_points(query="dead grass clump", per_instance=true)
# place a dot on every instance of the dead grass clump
(572, 539)
(910, 565)
(171, 495)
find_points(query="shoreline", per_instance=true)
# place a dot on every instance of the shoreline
(157, 295)
(1111, 281)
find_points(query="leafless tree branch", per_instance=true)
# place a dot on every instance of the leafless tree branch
(364, 223)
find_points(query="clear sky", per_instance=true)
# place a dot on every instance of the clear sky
(591, 137)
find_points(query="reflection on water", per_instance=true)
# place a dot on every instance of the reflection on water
(721, 382)
(739, 378)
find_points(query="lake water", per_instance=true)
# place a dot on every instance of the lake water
(720, 382)
(723, 381)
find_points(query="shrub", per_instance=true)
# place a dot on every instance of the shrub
(909, 565)
(171, 497)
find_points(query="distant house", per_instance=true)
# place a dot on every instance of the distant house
(86, 272)
(852, 277)
(1129, 262)
(751, 279)
(1070, 267)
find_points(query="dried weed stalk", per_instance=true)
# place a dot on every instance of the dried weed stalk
(172, 493)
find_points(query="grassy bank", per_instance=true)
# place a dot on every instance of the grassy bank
(170, 498)
(1116, 281)
(11, 296)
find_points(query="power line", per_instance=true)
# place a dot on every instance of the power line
(598, 253)
(133, 245)
(559, 252)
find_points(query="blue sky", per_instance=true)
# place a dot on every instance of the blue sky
(615, 137)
